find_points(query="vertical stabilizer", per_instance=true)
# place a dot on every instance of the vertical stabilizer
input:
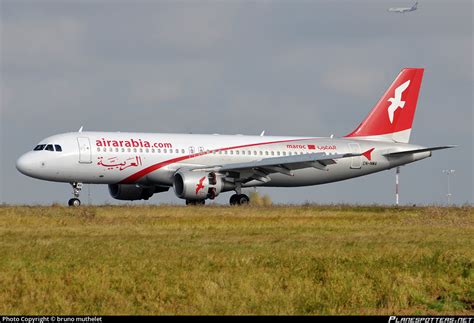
(391, 119)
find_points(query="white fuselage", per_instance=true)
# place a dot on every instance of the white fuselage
(153, 159)
(401, 10)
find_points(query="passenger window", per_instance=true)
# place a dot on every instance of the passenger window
(266, 152)
(153, 150)
(116, 150)
(98, 148)
(165, 151)
(183, 151)
(58, 148)
(273, 153)
(49, 148)
(278, 153)
(261, 153)
(158, 151)
(236, 152)
(129, 149)
(147, 150)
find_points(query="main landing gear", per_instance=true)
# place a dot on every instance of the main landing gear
(76, 190)
(239, 199)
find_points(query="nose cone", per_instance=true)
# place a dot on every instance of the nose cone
(25, 164)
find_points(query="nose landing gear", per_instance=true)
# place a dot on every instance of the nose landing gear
(76, 190)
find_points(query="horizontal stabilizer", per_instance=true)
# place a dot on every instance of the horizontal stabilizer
(399, 153)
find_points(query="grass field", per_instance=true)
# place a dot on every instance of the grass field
(230, 260)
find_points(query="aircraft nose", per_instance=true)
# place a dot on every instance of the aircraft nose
(24, 164)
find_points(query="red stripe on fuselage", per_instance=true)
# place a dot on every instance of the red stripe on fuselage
(135, 177)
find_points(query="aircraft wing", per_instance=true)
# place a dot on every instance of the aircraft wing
(259, 169)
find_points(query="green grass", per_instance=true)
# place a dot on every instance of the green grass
(231, 260)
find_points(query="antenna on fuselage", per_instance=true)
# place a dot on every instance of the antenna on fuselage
(80, 129)
(262, 134)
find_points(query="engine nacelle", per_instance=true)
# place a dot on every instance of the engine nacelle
(197, 185)
(131, 192)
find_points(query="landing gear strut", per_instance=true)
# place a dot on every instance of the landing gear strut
(76, 190)
(239, 199)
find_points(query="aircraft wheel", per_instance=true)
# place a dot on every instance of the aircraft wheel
(243, 199)
(239, 199)
(233, 199)
(74, 202)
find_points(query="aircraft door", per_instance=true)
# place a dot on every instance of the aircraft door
(85, 153)
(356, 162)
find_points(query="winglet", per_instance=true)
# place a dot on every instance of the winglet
(368, 154)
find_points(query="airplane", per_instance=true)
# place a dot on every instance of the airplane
(406, 9)
(198, 167)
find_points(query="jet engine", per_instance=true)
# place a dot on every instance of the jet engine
(197, 185)
(131, 192)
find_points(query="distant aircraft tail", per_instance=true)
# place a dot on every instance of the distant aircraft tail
(392, 117)
(415, 6)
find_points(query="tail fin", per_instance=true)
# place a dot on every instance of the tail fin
(392, 117)
(415, 6)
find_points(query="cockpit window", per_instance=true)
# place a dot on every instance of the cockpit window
(58, 148)
(49, 147)
(39, 147)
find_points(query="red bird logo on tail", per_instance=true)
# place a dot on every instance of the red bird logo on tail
(199, 186)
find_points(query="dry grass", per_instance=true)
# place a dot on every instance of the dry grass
(230, 260)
